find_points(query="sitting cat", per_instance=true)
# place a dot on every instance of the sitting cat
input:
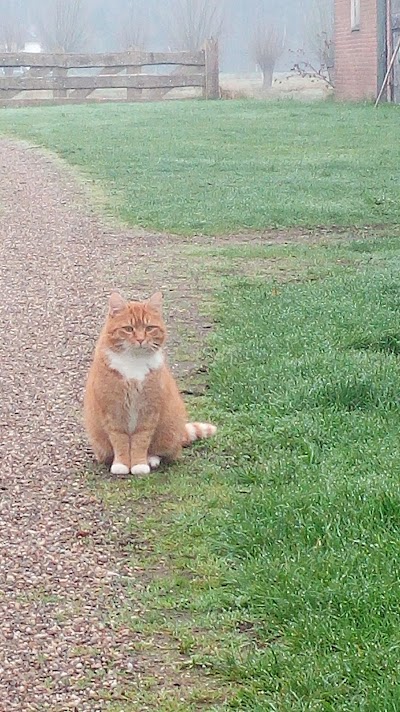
(134, 413)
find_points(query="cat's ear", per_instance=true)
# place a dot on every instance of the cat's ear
(155, 302)
(116, 303)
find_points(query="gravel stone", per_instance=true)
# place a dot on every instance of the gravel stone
(61, 571)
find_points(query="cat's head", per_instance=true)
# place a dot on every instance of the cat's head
(135, 326)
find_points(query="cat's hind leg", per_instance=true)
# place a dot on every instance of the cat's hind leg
(102, 449)
(153, 461)
(166, 445)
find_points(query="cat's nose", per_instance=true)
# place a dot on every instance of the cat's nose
(140, 339)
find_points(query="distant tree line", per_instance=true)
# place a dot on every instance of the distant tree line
(259, 31)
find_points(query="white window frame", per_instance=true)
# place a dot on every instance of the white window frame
(355, 15)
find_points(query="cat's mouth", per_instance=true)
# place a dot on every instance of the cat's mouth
(134, 349)
(144, 347)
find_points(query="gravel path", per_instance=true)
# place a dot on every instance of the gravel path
(57, 585)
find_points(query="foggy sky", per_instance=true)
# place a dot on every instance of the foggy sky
(104, 18)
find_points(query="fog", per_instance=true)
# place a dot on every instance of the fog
(101, 25)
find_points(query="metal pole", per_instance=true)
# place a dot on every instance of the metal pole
(387, 75)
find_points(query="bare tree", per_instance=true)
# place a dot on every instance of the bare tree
(320, 33)
(63, 25)
(267, 45)
(192, 22)
(132, 26)
(12, 25)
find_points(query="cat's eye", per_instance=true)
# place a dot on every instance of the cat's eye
(150, 327)
(128, 327)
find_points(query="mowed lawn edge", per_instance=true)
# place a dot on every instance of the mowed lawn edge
(225, 167)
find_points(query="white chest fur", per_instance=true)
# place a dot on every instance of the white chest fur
(134, 366)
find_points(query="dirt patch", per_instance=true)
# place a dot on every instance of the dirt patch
(298, 235)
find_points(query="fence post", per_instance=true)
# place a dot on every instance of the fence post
(212, 69)
(133, 94)
(60, 93)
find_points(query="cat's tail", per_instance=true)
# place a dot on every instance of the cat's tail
(197, 431)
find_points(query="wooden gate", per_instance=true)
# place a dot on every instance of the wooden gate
(28, 79)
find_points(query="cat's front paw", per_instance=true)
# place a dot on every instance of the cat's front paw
(117, 468)
(140, 470)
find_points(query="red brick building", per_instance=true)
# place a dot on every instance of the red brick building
(363, 40)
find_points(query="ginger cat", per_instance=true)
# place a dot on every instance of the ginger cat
(134, 413)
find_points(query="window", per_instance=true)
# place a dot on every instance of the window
(355, 15)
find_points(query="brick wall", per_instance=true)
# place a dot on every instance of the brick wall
(356, 52)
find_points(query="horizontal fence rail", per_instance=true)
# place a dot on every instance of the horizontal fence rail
(117, 59)
(30, 79)
(126, 81)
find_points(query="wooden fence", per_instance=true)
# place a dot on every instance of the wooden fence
(28, 79)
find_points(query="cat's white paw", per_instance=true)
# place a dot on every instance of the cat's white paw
(117, 468)
(154, 461)
(140, 470)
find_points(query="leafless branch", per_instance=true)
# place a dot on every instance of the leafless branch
(63, 25)
(320, 33)
(12, 25)
(192, 22)
(307, 70)
(132, 30)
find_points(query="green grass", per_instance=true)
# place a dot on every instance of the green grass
(279, 539)
(283, 533)
(195, 167)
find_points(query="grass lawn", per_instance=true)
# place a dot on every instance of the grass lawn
(283, 533)
(195, 167)
(273, 550)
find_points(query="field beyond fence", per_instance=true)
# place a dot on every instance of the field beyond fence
(35, 78)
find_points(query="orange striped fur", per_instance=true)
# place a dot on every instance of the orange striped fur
(134, 413)
(197, 431)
